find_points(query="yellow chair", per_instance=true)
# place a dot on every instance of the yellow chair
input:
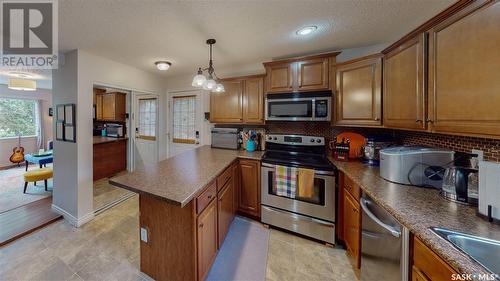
(37, 175)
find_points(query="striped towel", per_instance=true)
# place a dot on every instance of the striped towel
(285, 181)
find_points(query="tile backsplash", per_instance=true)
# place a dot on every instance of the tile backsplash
(490, 147)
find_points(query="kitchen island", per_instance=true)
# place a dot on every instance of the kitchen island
(186, 205)
(109, 156)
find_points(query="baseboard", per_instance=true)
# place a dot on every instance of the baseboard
(76, 222)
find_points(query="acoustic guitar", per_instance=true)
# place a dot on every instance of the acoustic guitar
(17, 153)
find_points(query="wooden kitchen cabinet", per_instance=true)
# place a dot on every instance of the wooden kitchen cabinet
(359, 92)
(302, 74)
(236, 184)
(427, 265)
(404, 85)
(249, 192)
(111, 106)
(241, 103)
(225, 210)
(206, 239)
(464, 64)
(352, 228)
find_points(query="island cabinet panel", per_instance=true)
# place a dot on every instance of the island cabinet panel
(404, 87)
(464, 63)
(227, 107)
(249, 193)
(313, 74)
(206, 237)
(279, 77)
(427, 265)
(359, 92)
(169, 253)
(225, 210)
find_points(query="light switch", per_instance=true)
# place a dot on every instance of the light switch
(144, 235)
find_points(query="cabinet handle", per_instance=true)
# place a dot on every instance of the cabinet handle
(429, 121)
(377, 119)
(418, 120)
(200, 225)
(209, 197)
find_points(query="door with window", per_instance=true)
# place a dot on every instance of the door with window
(146, 130)
(185, 113)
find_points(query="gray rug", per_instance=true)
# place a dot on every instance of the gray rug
(243, 255)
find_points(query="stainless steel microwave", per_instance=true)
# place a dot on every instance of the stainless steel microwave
(299, 106)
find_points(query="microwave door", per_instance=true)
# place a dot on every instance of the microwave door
(295, 110)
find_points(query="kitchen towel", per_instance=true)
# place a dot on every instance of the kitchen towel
(306, 183)
(285, 181)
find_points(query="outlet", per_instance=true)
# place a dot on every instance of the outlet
(144, 235)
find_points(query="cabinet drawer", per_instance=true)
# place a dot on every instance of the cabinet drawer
(417, 275)
(204, 199)
(351, 187)
(429, 263)
(223, 178)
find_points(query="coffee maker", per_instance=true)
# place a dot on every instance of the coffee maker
(460, 181)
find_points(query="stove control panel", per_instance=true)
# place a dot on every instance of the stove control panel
(296, 140)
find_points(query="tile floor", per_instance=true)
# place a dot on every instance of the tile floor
(105, 194)
(107, 248)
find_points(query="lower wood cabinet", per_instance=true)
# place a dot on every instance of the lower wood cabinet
(225, 210)
(109, 158)
(427, 265)
(206, 239)
(352, 228)
(249, 192)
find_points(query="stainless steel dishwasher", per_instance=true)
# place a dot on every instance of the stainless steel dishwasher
(384, 244)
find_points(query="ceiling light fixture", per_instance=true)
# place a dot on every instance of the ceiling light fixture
(22, 84)
(208, 83)
(306, 30)
(163, 65)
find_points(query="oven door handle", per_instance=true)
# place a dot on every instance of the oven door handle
(394, 232)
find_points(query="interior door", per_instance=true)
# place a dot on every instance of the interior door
(185, 113)
(146, 129)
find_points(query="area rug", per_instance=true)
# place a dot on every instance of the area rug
(12, 185)
(243, 255)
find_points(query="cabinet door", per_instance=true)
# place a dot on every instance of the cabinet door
(253, 101)
(359, 92)
(236, 185)
(279, 77)
(108, 107)
(225, 210)
(98, 106)
(352, 225)
(313, 74)
(249, 195)
(227, 107)
(120, 107)
(464, 67)
(404, 88)
(206, 239)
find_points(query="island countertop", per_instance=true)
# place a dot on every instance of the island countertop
(419, 209)
(179, 179)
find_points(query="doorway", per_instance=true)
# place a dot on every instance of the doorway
(145, 120)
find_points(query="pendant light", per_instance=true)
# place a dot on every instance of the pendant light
(208, 83)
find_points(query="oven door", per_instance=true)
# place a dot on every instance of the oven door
(294, 109)
(320, 205)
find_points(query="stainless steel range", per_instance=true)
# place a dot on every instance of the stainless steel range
(314, 215)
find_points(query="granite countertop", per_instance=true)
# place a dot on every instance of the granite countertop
(99, 139)
(421, 208)
(179, 179)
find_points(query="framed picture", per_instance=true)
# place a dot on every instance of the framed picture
(60, 130)
(60, 113)
(69, 114)
(69, 133)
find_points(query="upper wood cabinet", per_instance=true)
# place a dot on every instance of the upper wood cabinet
(242, 102)
(359, 92)
(111, 106)
(464, 67)
(404, 85)
(249, 193)
(304, 74)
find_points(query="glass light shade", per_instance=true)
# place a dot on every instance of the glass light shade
(209, 85)
(163, 65)
(22, 84)
(219, 88)
(199, 80)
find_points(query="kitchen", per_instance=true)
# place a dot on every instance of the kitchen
(391, 229)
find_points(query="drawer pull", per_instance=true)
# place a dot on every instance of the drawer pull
(201, 225)
(209, 197)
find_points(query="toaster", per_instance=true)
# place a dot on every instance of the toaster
(415, 165)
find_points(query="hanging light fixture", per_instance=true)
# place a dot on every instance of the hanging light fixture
(208, 83)
(22, 84)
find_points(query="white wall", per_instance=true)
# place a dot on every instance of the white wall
(75, 81)
(29, 143)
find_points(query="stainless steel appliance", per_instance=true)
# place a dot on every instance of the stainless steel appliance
(384, 244)
(372, 147)
(313, 216)
(415, 165)
(225, 138)
(460, 184)
(114, 130)
(299, 106)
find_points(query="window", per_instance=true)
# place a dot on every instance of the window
(17, 117)
(184, 119)
(147, 118)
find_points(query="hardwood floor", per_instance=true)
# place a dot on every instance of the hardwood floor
(26, 219)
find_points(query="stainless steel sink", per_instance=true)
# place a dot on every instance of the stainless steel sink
(484, 251)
